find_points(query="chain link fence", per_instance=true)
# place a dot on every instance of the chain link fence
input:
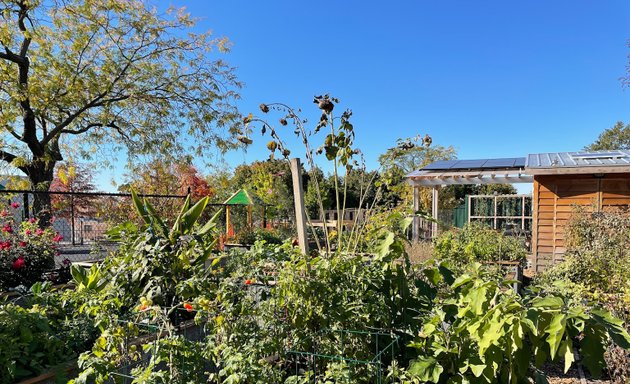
(83, 218)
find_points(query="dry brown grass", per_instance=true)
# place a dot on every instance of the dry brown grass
(420, 251)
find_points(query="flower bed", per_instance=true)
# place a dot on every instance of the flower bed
(26, 251)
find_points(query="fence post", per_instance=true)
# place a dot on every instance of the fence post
(298, 199)
(72, 218)
(25, 211)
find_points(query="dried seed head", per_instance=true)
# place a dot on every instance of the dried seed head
(244, 139)
(326, 105)
(286, 153)
(272, 146)
(264, 107)
(283, 121)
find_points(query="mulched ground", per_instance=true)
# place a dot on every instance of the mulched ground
(556, 375)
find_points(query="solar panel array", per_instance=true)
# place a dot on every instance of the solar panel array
(504, 163)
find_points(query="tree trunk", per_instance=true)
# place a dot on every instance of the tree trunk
(41, 176)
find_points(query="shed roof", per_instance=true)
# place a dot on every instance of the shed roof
(520, 169)
(578, 162)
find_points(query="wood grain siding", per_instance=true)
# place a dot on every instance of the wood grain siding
(555, 198)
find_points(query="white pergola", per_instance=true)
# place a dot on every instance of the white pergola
(436, 178)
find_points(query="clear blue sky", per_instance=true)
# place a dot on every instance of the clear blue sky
(491, 78)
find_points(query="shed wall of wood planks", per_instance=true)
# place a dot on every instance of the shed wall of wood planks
(555, 198)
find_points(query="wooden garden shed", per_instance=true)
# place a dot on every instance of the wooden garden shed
(561, 181)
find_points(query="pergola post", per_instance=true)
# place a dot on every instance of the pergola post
(415, 228)
(434, 210)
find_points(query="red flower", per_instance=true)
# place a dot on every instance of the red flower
(32, 220)
(39, 231)
(15, 205)
(188, 307)
(28, 232)
(4, 213)
(248, 282)
(18, 263)
(22, 243)
(5, 245)
(57, 238)
(7, 228)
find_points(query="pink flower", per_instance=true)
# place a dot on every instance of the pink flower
(7, 228)
(5, 245)
(22, 243)
(57, 238)
(4, 213)
(39, 231)
(32, 220)
(18, 263)
(28, 232)
(15, 205)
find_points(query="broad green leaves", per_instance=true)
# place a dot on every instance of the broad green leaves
(480, 330)
(426, 369)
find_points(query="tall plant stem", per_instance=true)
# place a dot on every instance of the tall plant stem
(336, 180)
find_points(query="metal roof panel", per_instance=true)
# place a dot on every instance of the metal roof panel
(578, 159)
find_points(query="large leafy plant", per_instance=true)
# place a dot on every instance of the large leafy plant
(155, 259)
(481, 332)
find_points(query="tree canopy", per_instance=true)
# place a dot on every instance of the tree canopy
(109, 75)
(615, 137)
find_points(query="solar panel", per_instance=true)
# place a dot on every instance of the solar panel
(500, 163)
(510, 162)
(468, 164)
(442, 164)
(519, 162)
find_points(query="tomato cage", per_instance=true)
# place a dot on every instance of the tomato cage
(343, 351)
(147, 348)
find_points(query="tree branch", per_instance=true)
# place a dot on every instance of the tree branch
(8, 158)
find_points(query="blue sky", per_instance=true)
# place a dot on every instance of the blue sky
(491, 78)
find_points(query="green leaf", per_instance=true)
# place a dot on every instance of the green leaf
(189, 218)
(385, 244)
(593, 346)
(555, 330)
(137, 202)
(78, 274)
(177, 224)
(212, 223)
(426, 369)
(614, 326)
(433, 275)
(156, 218)
(566, 351)
(478, 299)
(461, 280)
(551, 302)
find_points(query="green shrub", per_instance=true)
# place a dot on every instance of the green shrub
(28, 343)
(597, 257)
(597, 268)
(478, 243)
(251, 235)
